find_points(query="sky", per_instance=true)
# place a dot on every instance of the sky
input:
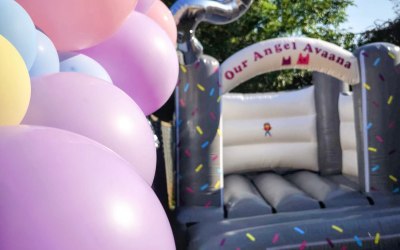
(363, 15)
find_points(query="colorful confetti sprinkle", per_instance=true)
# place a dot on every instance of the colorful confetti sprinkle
(275, 238)
(375, 104)
(297, 229)
(222, 243)
(339, 229)
(372, 149)
(375, 168)
(195, 111)
(216, 69)
(365, 54)
(366, 85)
(217, 184)
(199, 168)
(212, 92)
(182, 103)
(201, 87)
(199, 130)
(377, 61)
(396, 190)
(358, 241)
(303, 245)
(390, 100)
(196, 66)
(205, 144)
(186, 88)
(369, 125)
(381, 77)
(219, 132)
(391, 55)
(379, 138)
(214, 157)
(212, 115)
(179, 123)
(343, 248)
(219, 99)
(393, 178)
(377, 238)
(208, 204)
(204, 187)
(187, 153)
(250, 237)
(189, 190)
(330, 243)
(183, 68)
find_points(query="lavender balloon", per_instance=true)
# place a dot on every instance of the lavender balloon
(143, 6)
(94, 108)
(141, 60)
(63, 191)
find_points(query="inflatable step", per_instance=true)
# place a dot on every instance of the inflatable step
(241, 199)
(349, 231)
(326, 191)
(282, 195)
(203, 231)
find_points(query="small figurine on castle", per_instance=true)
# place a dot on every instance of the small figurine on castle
(267, 129)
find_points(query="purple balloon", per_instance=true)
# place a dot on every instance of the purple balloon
(94, 108)
(141, 60)
(63, 191)
(143, 6)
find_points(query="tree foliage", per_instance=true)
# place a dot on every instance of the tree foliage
(386, 32)
(268, 19)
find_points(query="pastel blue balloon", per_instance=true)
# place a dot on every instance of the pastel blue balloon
(18, 28)
(47, 61)
(73, 62)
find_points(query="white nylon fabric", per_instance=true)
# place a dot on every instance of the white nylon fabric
(348, 135)
(290, 144)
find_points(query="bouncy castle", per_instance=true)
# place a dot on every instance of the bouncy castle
(315, 168)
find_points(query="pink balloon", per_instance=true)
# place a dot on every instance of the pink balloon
(78, 24)
(160, 13)
(141, 60)
(144, 5)
(63, 191)
(94, 108)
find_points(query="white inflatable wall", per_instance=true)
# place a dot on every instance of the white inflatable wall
(348, 135)
(292, 142)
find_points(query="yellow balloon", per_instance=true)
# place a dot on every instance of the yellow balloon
(15, 86)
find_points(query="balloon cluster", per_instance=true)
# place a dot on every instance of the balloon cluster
(77, 155)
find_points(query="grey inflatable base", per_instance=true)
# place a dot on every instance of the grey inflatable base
(190, 214)
(283, 195)
(241, 198)
(329, 193)
(291, 230)
(269, 192)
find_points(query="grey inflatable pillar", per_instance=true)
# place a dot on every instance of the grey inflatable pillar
(198, 111)
(377, 107)
(200, 177)
(327, 90)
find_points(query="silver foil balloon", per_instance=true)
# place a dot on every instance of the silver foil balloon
(189, 13)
